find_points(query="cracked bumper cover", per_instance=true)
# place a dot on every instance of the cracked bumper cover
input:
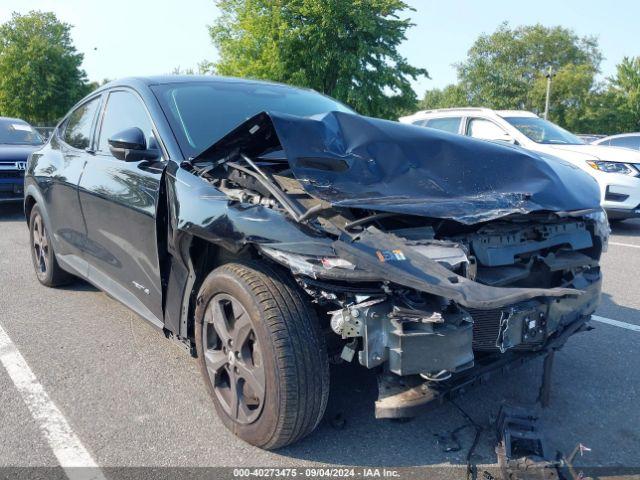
(409, 396)
(412, 348)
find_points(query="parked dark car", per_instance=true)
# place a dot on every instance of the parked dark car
(17, 140)
(272, 229)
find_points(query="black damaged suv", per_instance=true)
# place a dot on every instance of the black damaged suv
(270, 229)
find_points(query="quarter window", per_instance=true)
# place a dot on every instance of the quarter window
(448, 124)
(77, 131)
(124, 110)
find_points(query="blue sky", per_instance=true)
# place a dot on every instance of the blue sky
(143, 37)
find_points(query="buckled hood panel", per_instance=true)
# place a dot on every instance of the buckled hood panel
(360, 162)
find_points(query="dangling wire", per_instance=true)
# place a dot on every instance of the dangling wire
(472, 471)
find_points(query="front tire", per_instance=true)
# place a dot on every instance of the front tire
(44, 260)
(261, 353)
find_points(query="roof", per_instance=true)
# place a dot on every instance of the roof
(443, 110)
(620, 135)
(515, 113)
(11, 119)
(168, 79)
(502, 113)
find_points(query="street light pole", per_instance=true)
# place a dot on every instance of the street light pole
(549, 75)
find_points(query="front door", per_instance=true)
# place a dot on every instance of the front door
(119, 201)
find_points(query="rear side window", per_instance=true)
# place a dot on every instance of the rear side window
(626, 142)
(449, 124)
(77, 130)
(124, 110)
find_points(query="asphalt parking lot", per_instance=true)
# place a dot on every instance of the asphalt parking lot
(133, 398)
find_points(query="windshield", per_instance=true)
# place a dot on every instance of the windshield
(17, 132)
(201, 113)
(543, 131)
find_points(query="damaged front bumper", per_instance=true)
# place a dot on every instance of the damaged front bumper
(406, 397)
(428, 343)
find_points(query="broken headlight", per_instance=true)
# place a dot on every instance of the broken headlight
(308, 265)
(615, 167)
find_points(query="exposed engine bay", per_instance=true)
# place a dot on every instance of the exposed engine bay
(422, 283)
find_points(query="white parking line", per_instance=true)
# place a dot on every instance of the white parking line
(65, 444)
(616, 323)
(618, 244)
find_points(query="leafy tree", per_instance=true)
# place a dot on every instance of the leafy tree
(345, 49)
(507, 70)
(449, 96)
(40, 74)
(625, 85)
(503, 68)
(572, 91)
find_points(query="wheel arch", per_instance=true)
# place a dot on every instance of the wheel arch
(29, 203)
(194, 259)
(33, 197)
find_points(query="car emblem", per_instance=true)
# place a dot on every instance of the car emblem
(21, 165)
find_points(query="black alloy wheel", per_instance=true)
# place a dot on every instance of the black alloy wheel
(234, 359)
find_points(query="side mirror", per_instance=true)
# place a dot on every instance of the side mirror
(506, 138)
(130, 145)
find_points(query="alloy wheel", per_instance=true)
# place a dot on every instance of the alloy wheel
(40, 245)
(233, 359)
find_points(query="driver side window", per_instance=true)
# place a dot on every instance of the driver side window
(124, 110)
(484, 129)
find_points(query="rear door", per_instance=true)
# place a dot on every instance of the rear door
(70, 148)
(119, 200)
(446, 124)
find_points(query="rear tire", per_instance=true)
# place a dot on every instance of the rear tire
(44, 260)
(258, 337)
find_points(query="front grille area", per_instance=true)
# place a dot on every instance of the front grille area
(4, 195)
(11, 174)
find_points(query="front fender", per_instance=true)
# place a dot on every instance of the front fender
(198, 210)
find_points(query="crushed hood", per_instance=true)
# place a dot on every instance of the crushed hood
(353, 161)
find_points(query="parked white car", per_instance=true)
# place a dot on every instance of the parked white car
(617, 170)
(625, 140)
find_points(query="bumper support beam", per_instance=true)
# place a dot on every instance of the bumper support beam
(406, 397)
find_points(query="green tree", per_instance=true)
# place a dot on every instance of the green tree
(503, 68)
(40, 74)
(625, 85)
(572, 91)
(448, 97)
(507, 70)
(345, 49)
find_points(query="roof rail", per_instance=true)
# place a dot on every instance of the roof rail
(466, 109)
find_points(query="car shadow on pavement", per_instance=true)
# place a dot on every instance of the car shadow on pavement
(610, 308)
(349, 434)
(629, 228)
